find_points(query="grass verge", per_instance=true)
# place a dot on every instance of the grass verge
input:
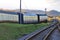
(12, 31)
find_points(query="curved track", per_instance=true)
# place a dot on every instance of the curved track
(45, 34)
(54, 35)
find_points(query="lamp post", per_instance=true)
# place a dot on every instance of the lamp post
(45, 11)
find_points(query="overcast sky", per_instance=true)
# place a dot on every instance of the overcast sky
(31, 4)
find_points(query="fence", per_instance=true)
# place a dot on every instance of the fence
(19, 17)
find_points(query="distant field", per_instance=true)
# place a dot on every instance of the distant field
(12, 31)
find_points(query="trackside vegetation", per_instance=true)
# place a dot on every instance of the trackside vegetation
(13, 31)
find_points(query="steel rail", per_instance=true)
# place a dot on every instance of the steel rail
(51, 30)
(37, 32)
(45, 38)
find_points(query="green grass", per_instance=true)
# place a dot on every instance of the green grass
(11, 31)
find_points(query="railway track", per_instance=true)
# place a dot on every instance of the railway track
(44, 34)
(53, 35)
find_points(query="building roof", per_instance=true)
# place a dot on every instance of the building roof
(7, 12)
(42, 14)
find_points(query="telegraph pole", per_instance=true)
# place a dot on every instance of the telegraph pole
(20, 5)
(20, 15)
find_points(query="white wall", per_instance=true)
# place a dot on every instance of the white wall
(12, 17)
(8, 17)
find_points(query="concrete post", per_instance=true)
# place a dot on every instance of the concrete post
(20, 18)
(38, 18)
